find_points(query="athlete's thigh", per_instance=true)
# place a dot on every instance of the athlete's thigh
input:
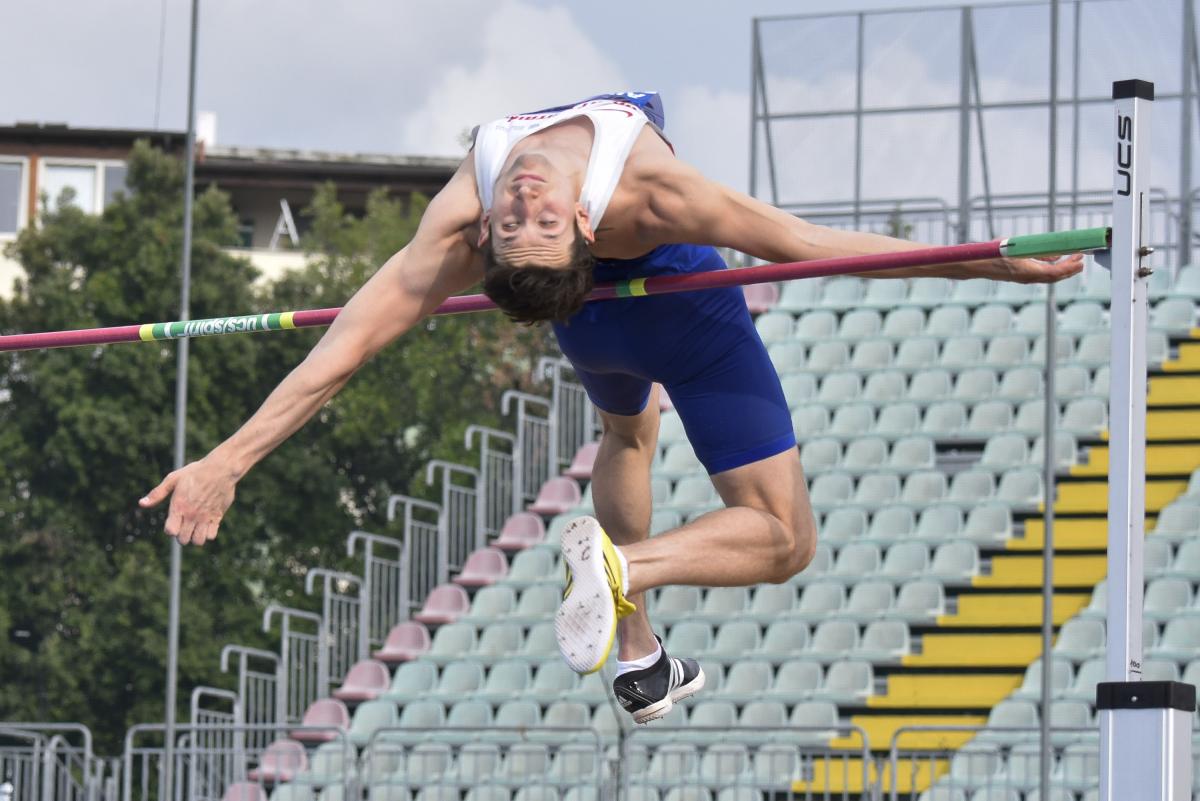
(774, 485)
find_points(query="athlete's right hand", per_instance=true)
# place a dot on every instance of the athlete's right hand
(201, 492)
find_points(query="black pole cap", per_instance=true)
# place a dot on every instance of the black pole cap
(1143, 90)
(1145, 695)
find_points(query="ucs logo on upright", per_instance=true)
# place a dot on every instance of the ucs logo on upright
(1124, 155)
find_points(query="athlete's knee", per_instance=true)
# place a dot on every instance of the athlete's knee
(797, 547)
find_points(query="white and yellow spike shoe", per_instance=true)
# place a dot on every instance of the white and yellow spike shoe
(593, 601)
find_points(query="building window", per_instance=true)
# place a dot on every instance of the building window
(114, 181)
(10, 197)
(79, 178)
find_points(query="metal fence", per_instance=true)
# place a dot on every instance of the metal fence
(300, 661)
(423, 565)
(52, 761)
(340, 616)
(497, 465)
(257, 685)
(459, 532)
(382, 585)
(531, 465)
(573, 420)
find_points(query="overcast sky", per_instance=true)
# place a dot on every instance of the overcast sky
(408, 77)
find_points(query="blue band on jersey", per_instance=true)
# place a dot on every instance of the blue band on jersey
(649, 102)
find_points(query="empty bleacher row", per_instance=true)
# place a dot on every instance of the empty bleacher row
(918, 408)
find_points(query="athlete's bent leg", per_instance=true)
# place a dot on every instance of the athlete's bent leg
(621, 493)
(767, 533)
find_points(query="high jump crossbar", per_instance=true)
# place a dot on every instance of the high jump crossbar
(1032, 245)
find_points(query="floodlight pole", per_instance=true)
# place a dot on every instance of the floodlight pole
(1145, 727)
(181, 390)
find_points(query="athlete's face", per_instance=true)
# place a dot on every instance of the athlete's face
(534, 215)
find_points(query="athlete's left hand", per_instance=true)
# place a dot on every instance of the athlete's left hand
(1045, 270)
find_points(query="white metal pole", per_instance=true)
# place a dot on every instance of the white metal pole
(1145, 727)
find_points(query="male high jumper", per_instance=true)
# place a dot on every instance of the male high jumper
(544, 204)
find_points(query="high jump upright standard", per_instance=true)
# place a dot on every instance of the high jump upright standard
(1145, 727)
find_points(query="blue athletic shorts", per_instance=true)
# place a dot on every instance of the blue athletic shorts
(702, 346)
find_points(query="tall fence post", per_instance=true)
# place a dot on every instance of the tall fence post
(496, 471)
(339, 621)
(458, 531)
(573, 419)
(531, 465)
(301, 662)
(257, 690)
(422, 565)
(381, 588)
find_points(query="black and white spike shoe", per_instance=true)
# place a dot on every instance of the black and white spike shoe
(650, 693)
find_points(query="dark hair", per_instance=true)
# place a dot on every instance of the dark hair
(536, 294)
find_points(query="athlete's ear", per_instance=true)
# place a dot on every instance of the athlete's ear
(585, 224)
(485, 230)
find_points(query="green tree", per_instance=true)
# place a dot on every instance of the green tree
(86, 431)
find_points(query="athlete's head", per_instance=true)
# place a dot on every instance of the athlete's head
(535, 243)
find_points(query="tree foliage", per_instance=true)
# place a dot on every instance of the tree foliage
(87, 431)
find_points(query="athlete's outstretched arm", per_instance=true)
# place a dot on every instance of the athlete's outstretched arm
(687, 207)
(437, 263)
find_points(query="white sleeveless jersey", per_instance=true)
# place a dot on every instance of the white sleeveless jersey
(617, 119)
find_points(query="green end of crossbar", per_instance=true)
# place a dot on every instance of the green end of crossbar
(1057, 243)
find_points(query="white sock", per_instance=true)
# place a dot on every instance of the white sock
(624, 570)
(639, 664)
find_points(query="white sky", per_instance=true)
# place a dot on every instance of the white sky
(409, 77)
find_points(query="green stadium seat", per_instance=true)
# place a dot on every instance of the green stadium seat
(761, 721)
(1186, 564)
(828, 356)
(1061, 677)
(810, 421)
(501, 640)
(1179, 520)
(930, 386)
(1031, 417)
(911, 454)
(795, 681)
(1016, 294)
(943, 793)
(813, 723)
(852, 420)
(1179, 639)
(712, 714)
(1082, 317)
(869, 600)
(383, 758)
(747, 680)
(864, 455)
(531, 566)
(1187, 282)
(693, 492)
(1064, 348)
(819, 600)
(371, 716)
(724, 764)
(944, 419)
(843, 525)
(872, 354)
(974, 766)
(1030, 319)
(820, 455)
(917, 353)
(885, 294)
(670, 428)
(293, 792)
(591, 689)
(1020, 384)
(679, 461)
(688, 793)
(938, 523)
(459, 679)
(439, 792)
(1083, 685)
(883, 641)
(890, 524)
(488, 792)
(1072, 381)
(962, 352)
(553, 680)
(774, 326)
(526, 763)
(674, 603)
(1069, 714)
(566, 715)
(1085, 417)
(919, 601)
(841, 387)
(689, 637)
(976, 384)
(971, 486)
(1066, 451)
(328, 764)
(787, 356)
(536, 603)
(929, 292)
(903, 324)
(670, 763)
(897, 419)
(722, 603)
(575, 765)
(664, 520)
(1021, 488)
(783, 639)
(856, 559)
(540, 642)
(734, 639)
(842, 293)
(815, 326)
(1175, 316)
(1156, 557)
(946, 322)
(989, 418)
(799, 296)
(904, 560)
(1100, 382)
(498, 601)
(412, 680)
(505, 680)
(1160, 670)
(954, 562)
(1096, 285)
(1080, 639)
(1078, 767)
(1006, 721)
(924, 487)
(973, 292)
(390, 789)
(830, 490)
(989, 525)
(832, 640)
(799, 388)
(817, 569)
(771, 601)
(520, 713)
(860, 324)
(334, 792)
